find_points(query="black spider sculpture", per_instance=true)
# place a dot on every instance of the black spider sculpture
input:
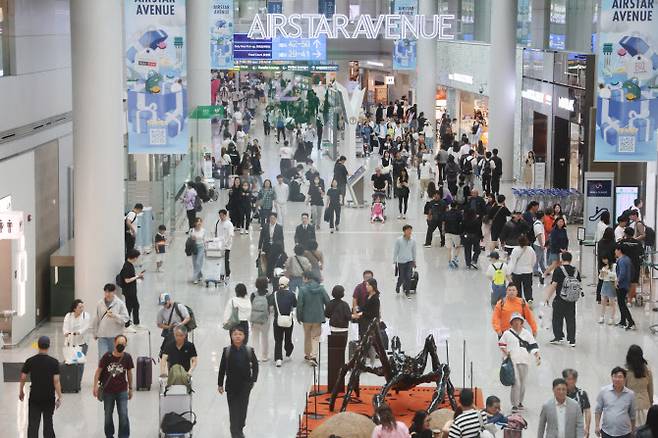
(401, 372)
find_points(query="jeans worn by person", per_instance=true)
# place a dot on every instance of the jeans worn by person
(121, 401)
(105, 345)
(197, 262)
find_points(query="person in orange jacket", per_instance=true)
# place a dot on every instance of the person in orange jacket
(500, 320)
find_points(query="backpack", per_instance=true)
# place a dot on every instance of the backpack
(173, 423)
(486, 168)
(191, 324)
(499, 275)
(649, 236)
(190, 247)
(198, 206)
(259, 310)
(572, 289)
(178, 376)
(120, 281)
(452, 172)
(467, 165)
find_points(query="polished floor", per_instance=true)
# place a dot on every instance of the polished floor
(453, 303)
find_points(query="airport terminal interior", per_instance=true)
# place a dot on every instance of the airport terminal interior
(491, 164)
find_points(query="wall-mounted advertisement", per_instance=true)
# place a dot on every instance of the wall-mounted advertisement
(404, 50)
(221, 34)
(627, 100)
(156, 77)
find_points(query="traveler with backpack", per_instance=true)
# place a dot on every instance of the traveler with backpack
(238, 311)
(567, 287)
(192, 203)
(284, 302)
(519, 345)
(624, 272)
(471, 238)
(496, 173)
(498, 215)
(521, 263)
(468, 164)
(434, 210)
(498, 272)
(130, 226)
(452, 174)
(180, 352)
(239, 365)
(260, 319)
(127, 280)
(170, 316)
(510, 304)
(487, 165)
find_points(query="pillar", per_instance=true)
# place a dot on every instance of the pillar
(426, 68)
(98, 127)
(502, 82)
(198, 77)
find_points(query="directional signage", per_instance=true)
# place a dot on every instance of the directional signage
(299, 49)
(280, 48)
(300, 68)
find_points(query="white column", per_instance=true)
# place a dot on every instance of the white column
(98, 128)
(502, 82)
(426, 68)
(198, 74)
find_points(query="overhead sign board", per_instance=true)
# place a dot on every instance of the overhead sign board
(390, 26)
(280, 48)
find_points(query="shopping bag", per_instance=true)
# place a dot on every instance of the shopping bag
(73, 354)
(545, 315)
(507, 377)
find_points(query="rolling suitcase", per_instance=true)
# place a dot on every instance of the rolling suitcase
(413, 284)
(144, 367)
(69, 377)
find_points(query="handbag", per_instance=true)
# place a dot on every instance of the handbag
(72, 353)
(507, 376)
(173, 423)
(234, 319)
(283, 321)
(190, 247)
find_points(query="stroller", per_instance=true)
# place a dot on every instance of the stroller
(378, 208)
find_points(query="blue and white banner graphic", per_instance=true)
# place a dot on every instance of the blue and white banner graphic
(275, 6)
(156, 75)
(627, 100)
(404, 50)
(221, 34)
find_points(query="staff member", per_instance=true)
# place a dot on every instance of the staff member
(240, 367)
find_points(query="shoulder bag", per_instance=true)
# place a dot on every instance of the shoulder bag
(234, 319)
(283, 321)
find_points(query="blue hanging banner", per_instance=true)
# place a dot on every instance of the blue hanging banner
(221, 34)
(404, 50)
(275, 6)
(627, 101)
(156, 77)
(327, 7)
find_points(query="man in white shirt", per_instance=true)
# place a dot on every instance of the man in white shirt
(539, 245)
(561, 416)
(224, 232)
(426, 172)
(465, 149)
(281, 191)
(621, 226)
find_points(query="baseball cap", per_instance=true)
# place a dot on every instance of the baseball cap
(164, 297)
(516, 315)
(283, 282)
(494, 255)
(43, 342)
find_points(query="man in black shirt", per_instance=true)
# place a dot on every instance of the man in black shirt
(44, 375)
(240, 367)
(580, 395)
(498, 216)
(341, 174)
(434, 211)
(179, 352)
(379, 180)
(563, 310)
(129, 284)
(497, 172)
(635, 251)
(304, 233)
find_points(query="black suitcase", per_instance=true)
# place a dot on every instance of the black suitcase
(413, 284)
(69, 377)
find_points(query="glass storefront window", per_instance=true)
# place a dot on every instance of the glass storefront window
(4, 55)
(572, 25)
(472, 16)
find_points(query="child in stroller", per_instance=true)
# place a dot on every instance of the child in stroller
(378, 209)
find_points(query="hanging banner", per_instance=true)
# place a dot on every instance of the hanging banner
(627, 101)
(156, 77)
(404, 50)
(221, 34)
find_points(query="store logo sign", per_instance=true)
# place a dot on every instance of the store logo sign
(391, 26)
(537, 96)
(458, 77)
(390, 80)
(566, 104)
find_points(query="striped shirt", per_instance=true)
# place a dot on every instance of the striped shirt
(467, 425)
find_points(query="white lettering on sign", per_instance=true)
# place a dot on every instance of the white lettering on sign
(393, 26)
(537, 96)
(566, 104)
(458, 77)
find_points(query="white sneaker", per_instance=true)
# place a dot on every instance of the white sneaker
(246, 231)
(601, 320)
(130, 329)
(278, 363)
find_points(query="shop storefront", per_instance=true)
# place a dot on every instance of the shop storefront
(557, 93)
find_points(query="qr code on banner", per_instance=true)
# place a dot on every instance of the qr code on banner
(626, 144)
(157, 135)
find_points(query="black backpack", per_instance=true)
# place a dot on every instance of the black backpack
(467, 165)
(649, 236)
(173, 423)
(120, 281)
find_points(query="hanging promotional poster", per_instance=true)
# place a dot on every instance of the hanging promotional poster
(221, 34)
(404, 50)
(627, 98)
(156, 76)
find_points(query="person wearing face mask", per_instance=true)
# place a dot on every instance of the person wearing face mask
(115, 374)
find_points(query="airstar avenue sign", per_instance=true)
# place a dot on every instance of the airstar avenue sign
(390, 26)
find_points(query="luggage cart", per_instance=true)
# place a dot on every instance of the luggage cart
(215, 263)
(176, 400)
